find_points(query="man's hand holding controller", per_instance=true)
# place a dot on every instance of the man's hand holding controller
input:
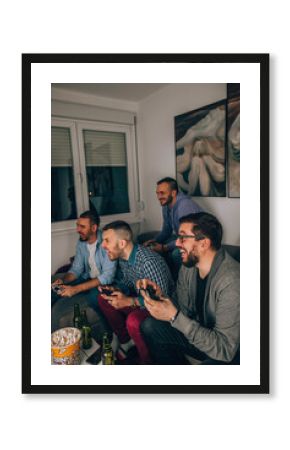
(163, 309)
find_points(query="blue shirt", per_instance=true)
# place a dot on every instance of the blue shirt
(183, 206)
(81, 268)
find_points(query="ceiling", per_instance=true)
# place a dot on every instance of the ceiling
(122, 91)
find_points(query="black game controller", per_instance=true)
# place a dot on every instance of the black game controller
(57, 289)
(106, 291)
(151, 292)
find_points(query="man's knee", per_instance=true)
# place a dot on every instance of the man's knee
(149, 327)
(134, 321)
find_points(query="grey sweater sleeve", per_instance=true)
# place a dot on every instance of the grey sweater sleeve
(220, 342)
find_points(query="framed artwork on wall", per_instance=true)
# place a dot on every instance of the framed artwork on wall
(200, 152)
(200, 139)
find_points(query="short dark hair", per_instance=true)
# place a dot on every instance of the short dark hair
(92, 215)
(171, 181)
(122, 228)
(205, 225)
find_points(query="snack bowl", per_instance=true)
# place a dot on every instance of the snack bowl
(65, 346)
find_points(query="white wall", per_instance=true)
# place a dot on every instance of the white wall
(157, 151)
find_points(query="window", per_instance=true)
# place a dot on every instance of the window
(63, 203)
(90, 167)
(106, 171)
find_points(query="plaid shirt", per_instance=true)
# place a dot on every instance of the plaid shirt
(144, 263)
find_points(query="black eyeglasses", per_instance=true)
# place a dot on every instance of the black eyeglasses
(182, 237)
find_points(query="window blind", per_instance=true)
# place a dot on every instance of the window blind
(61, 154)
(104, 148)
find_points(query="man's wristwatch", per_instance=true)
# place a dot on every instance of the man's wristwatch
(173, 319)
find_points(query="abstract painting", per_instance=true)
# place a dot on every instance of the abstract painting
(200, 151)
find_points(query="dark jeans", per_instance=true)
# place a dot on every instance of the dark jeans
(169, 346)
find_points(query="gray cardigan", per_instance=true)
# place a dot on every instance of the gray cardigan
(219, 337)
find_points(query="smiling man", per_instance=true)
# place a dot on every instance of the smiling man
(174, 205)
(91, 267)
(203, 319)
(124, 308)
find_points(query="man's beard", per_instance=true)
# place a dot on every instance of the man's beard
(112, 257)
(83, 238)
(114, 254)
(168, 201)
(191, 262)
(86, 237)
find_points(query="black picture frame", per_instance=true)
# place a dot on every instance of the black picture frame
(258, 59)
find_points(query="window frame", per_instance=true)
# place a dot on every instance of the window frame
(76, 128)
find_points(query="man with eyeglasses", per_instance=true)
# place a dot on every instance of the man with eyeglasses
(203, 319)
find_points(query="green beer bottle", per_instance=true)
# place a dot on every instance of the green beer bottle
(107, 351)
(86, 331)
(77, 316)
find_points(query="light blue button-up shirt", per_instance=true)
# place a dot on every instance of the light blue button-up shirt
(81, 268)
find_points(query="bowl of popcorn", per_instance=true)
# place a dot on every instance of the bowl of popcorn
(65, 346)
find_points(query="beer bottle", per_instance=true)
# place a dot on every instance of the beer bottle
(86, 331)
(107, 351)
(77, 316)
(84, 318)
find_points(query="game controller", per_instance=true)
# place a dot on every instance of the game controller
(57, 289)
(151, 292)
(106, 291)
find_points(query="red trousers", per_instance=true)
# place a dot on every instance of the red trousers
(126, 323)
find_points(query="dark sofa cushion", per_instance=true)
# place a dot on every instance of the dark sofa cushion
(66, 267)
(233, 250)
